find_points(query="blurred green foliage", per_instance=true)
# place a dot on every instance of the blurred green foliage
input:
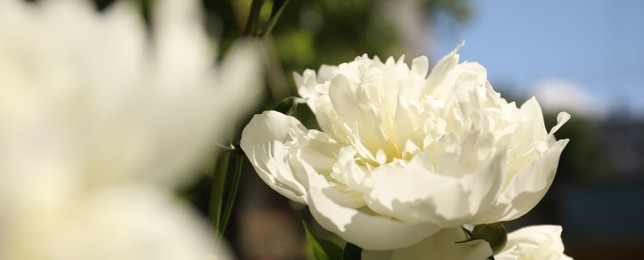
(314, 32)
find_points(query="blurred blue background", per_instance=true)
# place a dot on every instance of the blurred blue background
(590, 52)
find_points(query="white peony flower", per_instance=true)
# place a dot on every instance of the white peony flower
(402, 154)
(534, 242)
(100, 122)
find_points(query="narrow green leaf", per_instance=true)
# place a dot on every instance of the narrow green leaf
(217, 191)
(333, 251)
(352, 252)
(239, 162)
(278, 7)
(318, 250)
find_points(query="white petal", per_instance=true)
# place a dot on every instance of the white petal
(129, 224)
(440, 72)
(343, 97)
(182, 44)
(330, 122)
(531, 110)
(410, 194)
(126, 222)
(530, 184)
(419, 66)
(368, 231)
(536, 236)
(191, 114)
(263, 142)
(441, 245)
(415, 194)
(534, 242)
(233, 88)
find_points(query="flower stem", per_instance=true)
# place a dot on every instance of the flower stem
(252, 24)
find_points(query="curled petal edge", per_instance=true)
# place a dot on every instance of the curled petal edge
(263, 142)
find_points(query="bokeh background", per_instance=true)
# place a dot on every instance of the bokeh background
(584, 57)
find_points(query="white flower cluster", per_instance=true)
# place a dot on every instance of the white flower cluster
(403, 157)
(100, 123)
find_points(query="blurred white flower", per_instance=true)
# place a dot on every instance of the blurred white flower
(402, 154)
(100, 121)
(534, 242)
(121, 222)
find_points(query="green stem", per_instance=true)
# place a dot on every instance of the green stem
(252, 24)
(239, 162)
(217, 192)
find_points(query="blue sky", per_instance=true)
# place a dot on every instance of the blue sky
(597, 45)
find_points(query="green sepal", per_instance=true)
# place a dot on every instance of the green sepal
(288, 105)
(494, 234)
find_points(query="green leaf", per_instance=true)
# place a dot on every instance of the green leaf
(232, 194)
(322, 249)
(217, 191)
(318, 251)
(278, 7)
(333, 251)
(352, 252)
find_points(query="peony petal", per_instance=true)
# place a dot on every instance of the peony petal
(484, 188)
(536, 236)
(129, 223)
(530, 110)
(415, 194)
(440, 71)
(534, 242)
(410, 194)
(178, 27)
(343, 97)
(441, 245)
(228, 92)
(530, 184)
(263, 142)
(121, 222)
(419, 66)
(368, 231)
